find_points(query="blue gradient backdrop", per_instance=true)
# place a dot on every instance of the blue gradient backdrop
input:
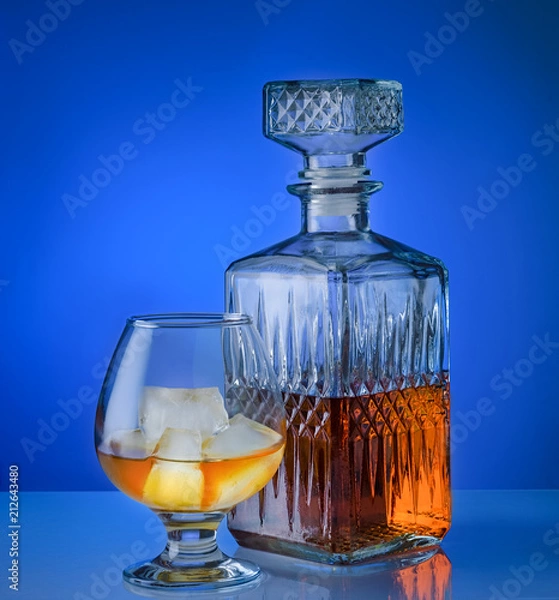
(147, 241)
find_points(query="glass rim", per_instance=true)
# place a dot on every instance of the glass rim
(188, 320)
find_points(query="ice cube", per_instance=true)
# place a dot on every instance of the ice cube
(228, 482)
(243, 437)
(175, 486)
(199, 409)
(179, 444)
(130, 443)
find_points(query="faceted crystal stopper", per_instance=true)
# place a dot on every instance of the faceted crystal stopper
(332, 116)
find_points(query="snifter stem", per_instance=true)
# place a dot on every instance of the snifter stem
(191, 558)
(190, 535)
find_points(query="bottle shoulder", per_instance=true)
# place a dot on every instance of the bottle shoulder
(366, 253)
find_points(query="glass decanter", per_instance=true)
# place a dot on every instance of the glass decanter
(356, 327)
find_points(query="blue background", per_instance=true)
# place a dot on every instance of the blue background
(149, 240)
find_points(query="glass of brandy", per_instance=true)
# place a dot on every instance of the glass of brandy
(190, 423)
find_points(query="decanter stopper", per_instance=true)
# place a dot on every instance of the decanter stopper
(333, 122)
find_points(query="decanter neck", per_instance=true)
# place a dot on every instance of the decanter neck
(335, 214)
(334, 197)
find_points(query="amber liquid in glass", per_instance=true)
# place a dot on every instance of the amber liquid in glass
(357, 472)
(192, 486)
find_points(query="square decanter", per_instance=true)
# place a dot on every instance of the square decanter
(356, 328)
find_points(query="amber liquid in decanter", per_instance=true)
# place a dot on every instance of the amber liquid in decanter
(361, 470)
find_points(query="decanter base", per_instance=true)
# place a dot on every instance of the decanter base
(402, 551)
